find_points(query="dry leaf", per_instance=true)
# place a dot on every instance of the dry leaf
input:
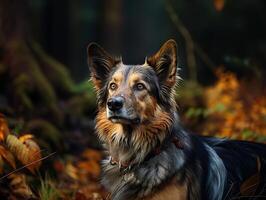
(19, 186)
(35, 152)
(4, 130)
(1, 165)
(91, 168)
(27, 152)
(25, 137)
(72, 171)
(219, 5)
(8, 156)
(92, 191)
(58, 166)
(92, 155)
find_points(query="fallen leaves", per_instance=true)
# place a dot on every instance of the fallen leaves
(7, 156)
(81, 176)
(26, 150)
(235, 109)
(19, 186)
(12, 149)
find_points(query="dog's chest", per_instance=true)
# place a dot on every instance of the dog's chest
(171, 191)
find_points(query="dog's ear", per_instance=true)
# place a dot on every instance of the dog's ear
(100, 64)
(164, 62)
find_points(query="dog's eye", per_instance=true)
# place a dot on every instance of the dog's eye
(113, 86)
(140, 86)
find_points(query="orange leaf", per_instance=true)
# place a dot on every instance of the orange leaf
(219, 5)
(27, 152)
(4, 130)
(90, 167)
(19, 186)
(35, 152)
(91, 154)
(1, 165)
(23, 138)
(58, 166)
(8, 156)
(71, 171)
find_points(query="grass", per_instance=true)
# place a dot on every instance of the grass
(47, 190)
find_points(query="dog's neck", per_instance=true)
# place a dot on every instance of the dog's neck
(129, 145)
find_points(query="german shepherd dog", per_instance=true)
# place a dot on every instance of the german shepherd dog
(150, 156)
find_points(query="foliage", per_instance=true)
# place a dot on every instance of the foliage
(48, 189)
(13, 149)
(232, 108)
(40, 97)
(19, 186)
(79, 177)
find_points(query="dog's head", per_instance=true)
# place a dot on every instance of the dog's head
(131, 94)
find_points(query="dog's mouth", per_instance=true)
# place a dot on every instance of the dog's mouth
(124, 120)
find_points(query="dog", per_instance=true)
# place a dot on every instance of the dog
(150, 156)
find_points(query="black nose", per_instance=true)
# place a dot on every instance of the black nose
(115, 103)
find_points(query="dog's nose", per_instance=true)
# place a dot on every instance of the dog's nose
(115, 103)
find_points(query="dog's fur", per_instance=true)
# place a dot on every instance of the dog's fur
(150, 156)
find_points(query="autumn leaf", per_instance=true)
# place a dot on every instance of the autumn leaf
(227, 109)
(219, 5)
(26, 150)
(92, 155)
(1, 165)
(34, 150)
(72, 171)
(7, 156)
(58, 166)
(92, 191)
(4, 130)
(19, 187)
(25, 137)
(90, 162)
(90, 167)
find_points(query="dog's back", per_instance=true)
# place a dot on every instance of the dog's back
(245, 163)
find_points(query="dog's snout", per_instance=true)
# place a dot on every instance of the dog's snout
(115, 103)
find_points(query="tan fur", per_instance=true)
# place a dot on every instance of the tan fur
(158, 124)
(105, 127)
(144, 137)
(171, 191)
(118, 77)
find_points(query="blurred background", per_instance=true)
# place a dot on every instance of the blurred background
(47, 105)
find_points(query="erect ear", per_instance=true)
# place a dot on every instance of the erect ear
(164, 62)
(100, 64)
